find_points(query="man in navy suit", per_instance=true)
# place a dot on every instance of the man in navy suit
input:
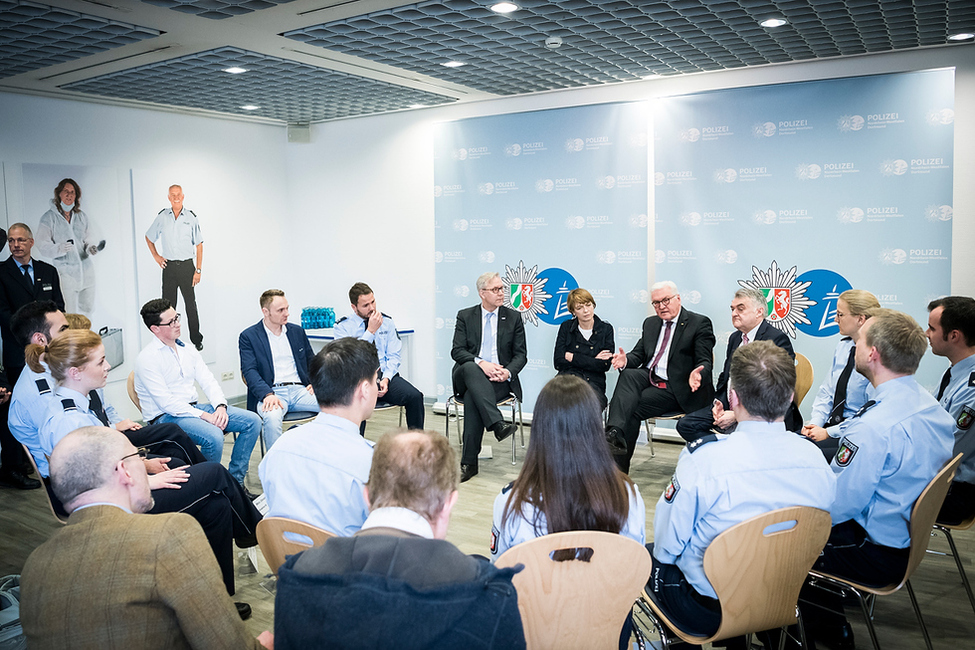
(489, 350)
(274, 358)
(22, 280)
(748, 318)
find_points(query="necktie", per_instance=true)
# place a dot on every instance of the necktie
(95, 405)
(26, 269)
(654, 380)
(839, 397)
(944, 383)
(744, 339)
(486, 338)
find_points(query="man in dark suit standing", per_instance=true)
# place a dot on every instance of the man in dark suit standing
(22, 280)
(489, 351)
(667, 371)
(274, 359)
(748, 318)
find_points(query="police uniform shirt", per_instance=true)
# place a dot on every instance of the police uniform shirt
(530, 524)
(28, 408)
(722, 480)
(386, 340)
(959, 401)
(890, 452)
(67, 411)
(858, 391)
(175, 239)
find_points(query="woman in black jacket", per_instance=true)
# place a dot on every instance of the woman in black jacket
(585, 344)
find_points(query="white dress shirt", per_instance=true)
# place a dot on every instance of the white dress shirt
(164, 381)
(282, 357)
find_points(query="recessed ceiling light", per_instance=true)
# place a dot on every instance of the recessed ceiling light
(453, 64)
(235, 70)
(964, 36)
(774, 22)
(504, 7)
(250, 107)
(417, 105)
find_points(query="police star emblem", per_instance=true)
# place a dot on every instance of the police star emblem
(785, 298)
(525, 291)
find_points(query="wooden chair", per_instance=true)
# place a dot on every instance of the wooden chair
(946, 529)
(756, 571)
(276, 547)
(923, 516)
(577, 603)
(804, 377)
(130, 389)
(510, 401)
(47, 497)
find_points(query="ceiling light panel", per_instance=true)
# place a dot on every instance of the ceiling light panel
(623, 40)
(216, 9)
(34, 36)
(285, 90)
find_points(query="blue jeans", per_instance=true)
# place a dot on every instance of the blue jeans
(294, 398)
(210, 438)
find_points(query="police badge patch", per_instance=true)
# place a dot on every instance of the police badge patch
(494, 539)
(672, 489)
(965, 418)
(846, 453)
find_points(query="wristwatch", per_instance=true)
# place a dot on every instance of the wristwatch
(199, 270)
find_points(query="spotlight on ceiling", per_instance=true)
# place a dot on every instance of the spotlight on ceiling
(963, 36)
(235, 70)
(453, 64)
(504, 7)
(417, 106)
(250, 107)
(553, 42)
(774, 22)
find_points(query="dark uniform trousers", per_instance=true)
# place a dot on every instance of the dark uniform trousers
(480, 396)
(178, 274)
(402, 393)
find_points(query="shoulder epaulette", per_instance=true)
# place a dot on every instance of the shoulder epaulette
(161, 211)
(180, 343)
(700, 442)
(863, 409)
(68, 405)
(344, 318)
(43, 387)
(507, 488)
(385, 315)
(191, 212)
(971, 379)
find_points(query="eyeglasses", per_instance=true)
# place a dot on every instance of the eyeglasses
(663, 302)
(494, 289)
(141, 452)
(170, 323)
(17, 240)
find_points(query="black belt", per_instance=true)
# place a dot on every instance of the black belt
(288, 383)
(188, 261)
(156, 419)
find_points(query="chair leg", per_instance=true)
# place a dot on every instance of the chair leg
(802, 629)
(514, 452)
(401, 409)
(646, 425)
(961, 568)
(920, 620)
(868, 616)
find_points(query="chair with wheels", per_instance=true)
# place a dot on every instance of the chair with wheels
(757, 568)
(923, 516)
(582, 597)
(511, 401)
(276, 547)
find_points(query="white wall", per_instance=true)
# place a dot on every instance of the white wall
(357, 202)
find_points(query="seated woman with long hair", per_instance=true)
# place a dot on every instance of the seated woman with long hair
(569, 480)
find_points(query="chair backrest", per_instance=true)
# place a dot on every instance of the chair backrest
(47, 497)
(757, 570)
(276, 547)
(804, 377)
(130, 387)
(577, 603)
(925, 513)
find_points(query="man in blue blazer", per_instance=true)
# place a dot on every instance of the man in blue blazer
(274, 358)
(748, 318)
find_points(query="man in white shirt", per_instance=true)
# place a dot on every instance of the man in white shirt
(164, 376)
(316, 473)
(274, 359)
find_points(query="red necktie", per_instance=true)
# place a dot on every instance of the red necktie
(654, 380)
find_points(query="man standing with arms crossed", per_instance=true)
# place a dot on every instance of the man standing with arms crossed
(180, 240)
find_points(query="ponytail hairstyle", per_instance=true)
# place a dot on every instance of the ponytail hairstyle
(69, 350)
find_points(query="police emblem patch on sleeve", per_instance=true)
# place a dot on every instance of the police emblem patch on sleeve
(672, 489)
(965, 418)
(971, 379)
(846, 452)
(494, 539)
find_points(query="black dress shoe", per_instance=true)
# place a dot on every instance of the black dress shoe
(616, 441)
(502, 430)
(17, 480)
(199, 347)
(244, 610)
(467, 472)
(836, 637)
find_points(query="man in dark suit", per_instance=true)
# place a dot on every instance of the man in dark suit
(487, 362)
(397, 582)
(275, 344)
(22, 280)
(748, 318)
(667, 371)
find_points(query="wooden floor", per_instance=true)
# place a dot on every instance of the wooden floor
(25, 522)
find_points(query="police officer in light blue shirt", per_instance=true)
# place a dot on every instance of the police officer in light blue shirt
(951, 333)
(723, 479)
(892, 448)
(368, 324)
